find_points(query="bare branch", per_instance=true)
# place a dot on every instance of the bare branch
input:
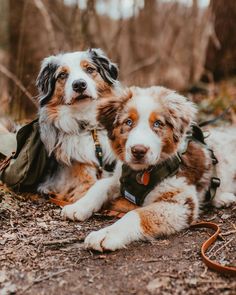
(18, 83)
(48, 23)
(146, 63)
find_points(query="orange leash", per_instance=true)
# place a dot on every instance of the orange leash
(205, 246)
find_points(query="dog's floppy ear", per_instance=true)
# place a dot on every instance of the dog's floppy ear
(46, 79)
(108, 111)
(107, 69)
(180, 113)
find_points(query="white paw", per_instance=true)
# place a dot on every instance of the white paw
(77, 211)
(224, 200)
(106, 239)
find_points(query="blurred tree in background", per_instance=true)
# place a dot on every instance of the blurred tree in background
(170, 43)
(221, 52)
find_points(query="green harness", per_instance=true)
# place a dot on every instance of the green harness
(136, 185)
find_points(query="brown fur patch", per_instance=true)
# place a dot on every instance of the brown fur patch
(119, 140)
(168, 197)
(103, 88)
(169, 144)
(149, 221)
(133, 115)
(154, 116)
(165, 132)
(58, 95)
(120, 205)
(195, 165)
(108, 111)
(191, 206)
(84, 176)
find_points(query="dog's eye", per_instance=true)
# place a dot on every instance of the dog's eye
(157, 124)
(129, 122)
(90, 70)
(62, 75)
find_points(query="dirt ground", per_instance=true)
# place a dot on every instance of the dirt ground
(42, 254)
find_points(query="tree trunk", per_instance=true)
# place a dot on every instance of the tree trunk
(25, 55)
(4, 57)
(221, 57)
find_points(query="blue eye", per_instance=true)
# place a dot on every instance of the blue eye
(157, 124)
(129, 122)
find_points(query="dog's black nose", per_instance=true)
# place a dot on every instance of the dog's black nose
(139, 151)
(79, 85)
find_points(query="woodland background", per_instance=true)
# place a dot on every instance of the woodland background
(179, 44)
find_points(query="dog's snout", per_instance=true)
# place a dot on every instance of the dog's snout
(79, 85)
(139, 151)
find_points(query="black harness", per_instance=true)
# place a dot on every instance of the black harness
(136, 185)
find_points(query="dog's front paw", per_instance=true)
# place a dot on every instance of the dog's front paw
(224, 200)
(76, 211)
(104, 240)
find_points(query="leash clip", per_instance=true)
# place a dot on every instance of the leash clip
(215, 182)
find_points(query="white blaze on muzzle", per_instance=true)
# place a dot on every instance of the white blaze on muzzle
(143, 135)
(77, 73)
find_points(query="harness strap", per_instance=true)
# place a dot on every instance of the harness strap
(98, 151)
(215, 180)
(136, 185)
(197, 135)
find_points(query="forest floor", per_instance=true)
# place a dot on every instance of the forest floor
(40, 253)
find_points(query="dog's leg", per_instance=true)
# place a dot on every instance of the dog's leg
(101, 192)
(159, 218)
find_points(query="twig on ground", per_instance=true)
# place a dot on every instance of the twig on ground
(223, 246)
(211, 281)
(228, 233)
(41, 279)
(151, 260)
(212, 248)
(62, 241)
(81, 258)
(203, 274)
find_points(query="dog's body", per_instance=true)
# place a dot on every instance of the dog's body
(147, 127)
(70, 85)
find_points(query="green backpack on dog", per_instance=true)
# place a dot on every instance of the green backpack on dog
(26, 168)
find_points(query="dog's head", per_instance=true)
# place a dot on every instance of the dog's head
(74, 78)
(146, 126)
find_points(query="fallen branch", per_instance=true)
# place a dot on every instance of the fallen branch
(203, 274)
(223, 246)
(41, 279)
(18, 83)
(62, 241)
(230, 232)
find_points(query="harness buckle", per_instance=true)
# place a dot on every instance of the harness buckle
(179, 157)
(215, 182)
